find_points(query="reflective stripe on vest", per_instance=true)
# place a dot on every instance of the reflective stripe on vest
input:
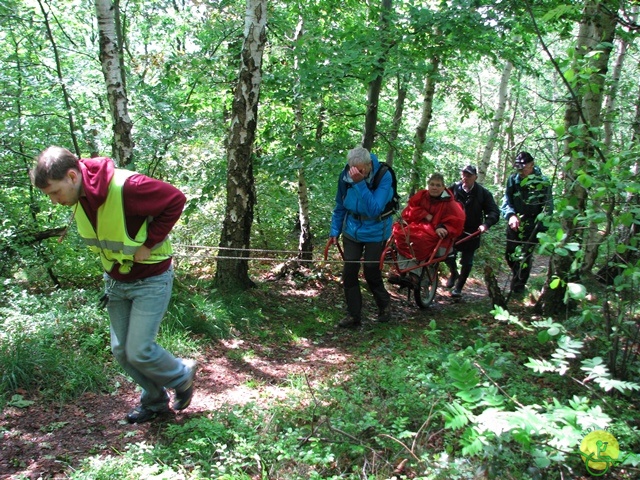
(111, 240)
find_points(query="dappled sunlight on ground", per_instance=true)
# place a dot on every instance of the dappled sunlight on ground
(45, 440)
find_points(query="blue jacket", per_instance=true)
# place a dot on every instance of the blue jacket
(358, 208)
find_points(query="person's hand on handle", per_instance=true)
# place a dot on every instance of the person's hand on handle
(514, 222)
(442, 232)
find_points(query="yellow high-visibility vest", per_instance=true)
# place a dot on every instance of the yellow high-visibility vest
(110, 239)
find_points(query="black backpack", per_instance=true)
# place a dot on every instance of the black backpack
(392, 207)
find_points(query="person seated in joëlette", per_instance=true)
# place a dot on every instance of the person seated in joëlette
(431, 214)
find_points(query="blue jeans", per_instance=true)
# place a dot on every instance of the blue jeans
(135, 312)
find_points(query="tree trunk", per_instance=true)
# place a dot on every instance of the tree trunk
(425, 119)
(235, 239)
(62, 82)
(111, 62)
(610, 99)
(397, 118)
(305, 245)
(497, 122)
(624, 235)
(583, 115)
(595, 235)
(373, 96)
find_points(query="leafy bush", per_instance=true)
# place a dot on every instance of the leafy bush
(56, 345)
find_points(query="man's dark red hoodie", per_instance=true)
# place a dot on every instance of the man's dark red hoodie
(144, 197)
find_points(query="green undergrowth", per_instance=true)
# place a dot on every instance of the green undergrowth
(456, 392)
(54, 345)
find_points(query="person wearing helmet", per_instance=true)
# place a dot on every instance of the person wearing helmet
(527, 200)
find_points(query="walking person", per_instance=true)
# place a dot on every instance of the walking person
(527, 200)
(361, 217)
(482, 213)
(125, 218)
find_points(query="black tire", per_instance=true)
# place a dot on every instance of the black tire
(428, 285)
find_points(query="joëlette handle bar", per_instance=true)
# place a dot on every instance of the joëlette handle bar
(433, 257)
(468, 237)
(326, 249)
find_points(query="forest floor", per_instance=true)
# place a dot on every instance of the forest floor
(47, 441)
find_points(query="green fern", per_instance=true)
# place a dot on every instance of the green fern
(456, 416)
(464, 375)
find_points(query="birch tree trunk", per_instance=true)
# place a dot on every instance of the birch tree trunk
(235, 239)
(425, 120)
(496, 124)
(305, 245)
(111, 62)
(582, 118)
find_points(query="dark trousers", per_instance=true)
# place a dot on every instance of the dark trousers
(466, 262)
(519, 254)
(370, 252)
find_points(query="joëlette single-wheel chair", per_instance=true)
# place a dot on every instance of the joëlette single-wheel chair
(425, 290)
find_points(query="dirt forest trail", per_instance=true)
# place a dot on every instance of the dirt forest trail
(46, 440)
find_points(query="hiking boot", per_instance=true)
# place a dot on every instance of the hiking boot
(349, 322)
(142, 414)
(456, 293)
(384, 314)
(452, 279)
(184, 394)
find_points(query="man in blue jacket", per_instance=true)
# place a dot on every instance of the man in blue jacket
(527, 199)
(361, 216)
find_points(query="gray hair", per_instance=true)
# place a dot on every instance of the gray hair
(358, 156)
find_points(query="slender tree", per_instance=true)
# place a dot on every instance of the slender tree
(496, 124)
(595, 238)
(61, 79)
(583, 121)
(425, 120)
(305, 245)
(401, 96)
(232, 272)
(114, 75)
(375, 85)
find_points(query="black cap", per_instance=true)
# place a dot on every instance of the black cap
(522, 159)
(470, 169)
